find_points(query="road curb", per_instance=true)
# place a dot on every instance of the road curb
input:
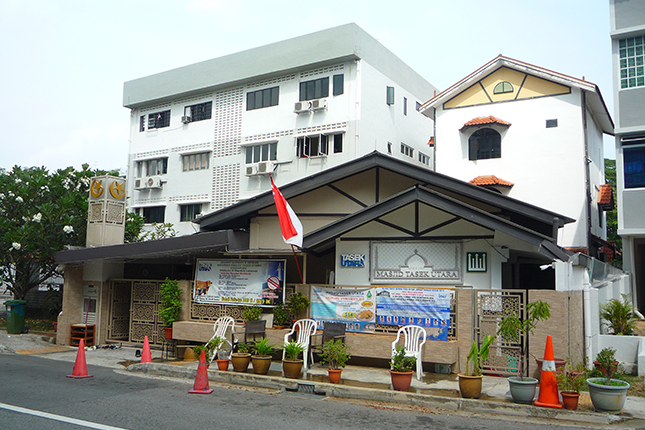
(379, 395)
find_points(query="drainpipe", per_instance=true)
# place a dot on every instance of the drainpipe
(587, 171)
(586, 288)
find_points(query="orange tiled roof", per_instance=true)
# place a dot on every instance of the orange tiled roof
(484, 120)
(490, 180)
(606, 197)
(431, 141)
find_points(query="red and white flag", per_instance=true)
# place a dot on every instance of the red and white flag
(289, 223)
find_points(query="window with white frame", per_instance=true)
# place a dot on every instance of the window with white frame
(262, 98)
(199, 112)
(407, 150)
(192, 162)
(159, 119)
(153, 214)
(631, 52)
(189, 212)
(261, 152)
(424, 159)
(157, 166)
(319, 145)
(484, 144)
(314, 89)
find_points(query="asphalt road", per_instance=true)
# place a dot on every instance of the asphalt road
(32, 387)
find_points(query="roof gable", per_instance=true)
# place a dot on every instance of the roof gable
(382, 176)
(475, 88)
(522, 86)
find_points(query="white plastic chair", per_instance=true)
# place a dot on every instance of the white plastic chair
(413, 339)
(306, 329)
(219, 330)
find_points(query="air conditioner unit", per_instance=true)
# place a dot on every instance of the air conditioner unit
(153, 182)
(251, 170)
(265, 167)
(303, 106)
(319, 104)
(139, 184)
(185, 119)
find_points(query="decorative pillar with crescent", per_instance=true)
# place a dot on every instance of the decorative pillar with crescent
(106, 211)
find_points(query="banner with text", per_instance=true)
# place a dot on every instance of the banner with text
(354, 306)
(240, 282)
(425, 307)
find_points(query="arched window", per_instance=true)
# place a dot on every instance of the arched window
(503, 87)
(484, 143)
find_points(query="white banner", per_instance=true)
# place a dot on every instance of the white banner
(244, 282)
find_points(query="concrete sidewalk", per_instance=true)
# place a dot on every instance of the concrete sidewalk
(358, 382)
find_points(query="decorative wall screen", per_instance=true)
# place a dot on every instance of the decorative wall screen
(492, 307)
(119, 299)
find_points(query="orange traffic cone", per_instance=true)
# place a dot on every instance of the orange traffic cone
(548, 396)
(201, 379)
(146, 357)
(80, 366)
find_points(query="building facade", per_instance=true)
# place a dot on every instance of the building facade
(207, 135)
(532, 134)
(628, 57)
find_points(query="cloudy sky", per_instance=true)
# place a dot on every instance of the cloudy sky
(64, 61)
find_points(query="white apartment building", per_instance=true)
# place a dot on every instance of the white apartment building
(207, 135)
(533, 134)
(628, 64)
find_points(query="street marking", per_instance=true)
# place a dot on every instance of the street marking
(58, 417)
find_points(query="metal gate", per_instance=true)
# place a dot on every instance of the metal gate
(119, 314)
(491, 308)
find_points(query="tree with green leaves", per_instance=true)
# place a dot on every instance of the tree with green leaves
(41, 212)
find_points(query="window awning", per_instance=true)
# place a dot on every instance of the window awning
(484, 120)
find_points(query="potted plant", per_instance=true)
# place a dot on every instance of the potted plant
(569, 383)
(281, 316)
(607, 393)
(523, 388)
(214, 348)
(401, 369)
(335, 353)
(251, 313)
(470, 383)
(170, 306)
(298, 304)
(261, 358)
(619, 316)
(292, 363)
(242, 358)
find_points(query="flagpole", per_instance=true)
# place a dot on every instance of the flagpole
(297, 264)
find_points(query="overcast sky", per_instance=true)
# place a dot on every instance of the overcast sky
(64, 61)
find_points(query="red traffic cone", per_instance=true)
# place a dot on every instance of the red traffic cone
(146, 357)
(548, 396)
(201, 379)
(80, 366)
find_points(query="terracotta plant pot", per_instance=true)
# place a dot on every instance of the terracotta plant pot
(261, 364)
(570, 400)
(222, 363)
(401, 380)
(278, 327)
(292, 368)
(240, 361)
(470, 387)
(168, 333)
(334, 375)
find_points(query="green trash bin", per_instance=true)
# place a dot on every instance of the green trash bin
(15, 315)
